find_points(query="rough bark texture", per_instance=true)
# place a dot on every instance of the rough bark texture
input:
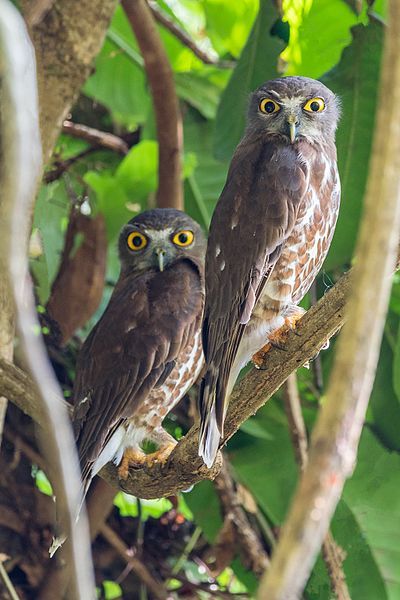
(66, 41)
(335, 439)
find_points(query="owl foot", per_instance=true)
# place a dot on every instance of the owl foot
(161, 456)
(277, 339)
(132, 457)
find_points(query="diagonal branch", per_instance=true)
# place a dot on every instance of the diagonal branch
(165, 101)
(186, 40)
(336, 435)
(184, 467)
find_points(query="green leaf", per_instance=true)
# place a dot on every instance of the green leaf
(396, 373)
(323, 33)
(204, 185)
(356, 82)
(128, 506)
(229, 23)
(373, 497)
(112, 590)
(267, 466)
(41, 481)
(359, 559)
(384, 404)
(257, 64)
(50, 217)
(204, 504)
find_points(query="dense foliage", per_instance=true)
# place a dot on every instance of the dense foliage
(341, 43)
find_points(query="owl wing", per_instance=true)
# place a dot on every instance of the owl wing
(134, 346)
(254, 217)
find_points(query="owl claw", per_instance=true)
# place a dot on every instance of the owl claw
(134, 457)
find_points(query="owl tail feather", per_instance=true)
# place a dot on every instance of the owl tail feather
(210, 433)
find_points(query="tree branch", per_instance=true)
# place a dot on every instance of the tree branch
(165, 101)
(252, 552)
(156, 588)
(96, 137)
(336, 435)
(333, 555)
(21, 154)
(185, 468)
(186, 40)
(66, 38)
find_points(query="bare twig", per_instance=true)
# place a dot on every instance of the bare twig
(20, 174)
(64, 165)
(336, 435)
(166, 106)
(182, 36)
(252, 552)
(332, 553)
(7, 582)
(96, 137)
(156, 588)
(297, 428)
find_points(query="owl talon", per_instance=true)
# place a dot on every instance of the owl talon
(161, 456)
(132, 458)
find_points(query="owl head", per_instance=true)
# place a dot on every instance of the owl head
(294, 108)
(156, 239)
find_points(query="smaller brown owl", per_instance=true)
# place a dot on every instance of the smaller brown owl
(145, 352)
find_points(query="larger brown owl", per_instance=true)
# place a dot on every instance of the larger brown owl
(145, 352)
(269, 235)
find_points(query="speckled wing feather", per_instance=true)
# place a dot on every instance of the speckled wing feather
(134, 346)
(254, 216)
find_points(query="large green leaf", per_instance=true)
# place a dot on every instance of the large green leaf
(203, 187)
(384, 403)
(323, 33)
(373, 496)
(355, 80)
(257, 63)
(229, 23)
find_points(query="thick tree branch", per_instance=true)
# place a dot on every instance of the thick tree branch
(336, 435)
(184, 467)
(66, 38)
(165, 101)
(21, 155)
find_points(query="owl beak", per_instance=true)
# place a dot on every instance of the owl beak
(160, 256)
(292, 126)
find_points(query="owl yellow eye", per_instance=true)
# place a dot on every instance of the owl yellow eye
(314, 105)
(183, 238)
(269, 106)
(136, 241)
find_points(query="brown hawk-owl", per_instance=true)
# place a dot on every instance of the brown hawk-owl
(145, 351)
(269, 234)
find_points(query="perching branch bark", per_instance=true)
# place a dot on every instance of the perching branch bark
(21, 155)
(336, 435)
(165, 101)
(184, 467)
